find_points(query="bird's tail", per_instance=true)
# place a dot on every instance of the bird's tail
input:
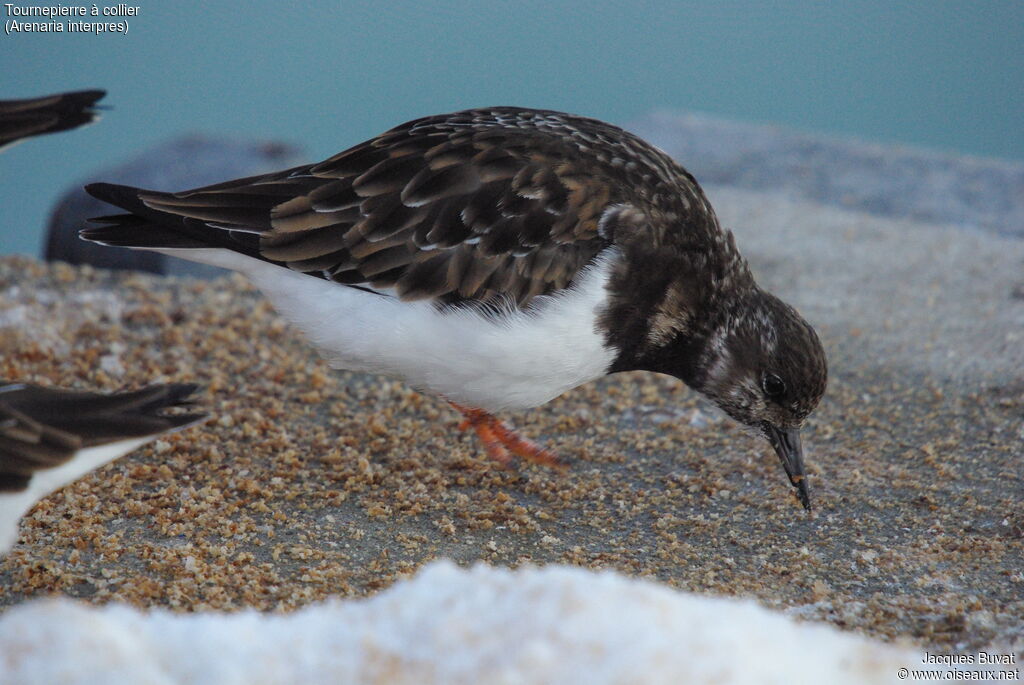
(48, 114)
(97, 418)
(143, 227)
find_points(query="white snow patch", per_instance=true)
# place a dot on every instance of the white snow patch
(556, 624)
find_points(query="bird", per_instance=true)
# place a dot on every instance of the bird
(20, 119)
(499, 257)
(50, 437)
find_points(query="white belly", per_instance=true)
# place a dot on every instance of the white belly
(512, 360)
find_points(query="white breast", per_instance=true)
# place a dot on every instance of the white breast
(511, 360)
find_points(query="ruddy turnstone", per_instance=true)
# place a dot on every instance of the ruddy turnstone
(498, 257)
(51, 437)
(48, 114)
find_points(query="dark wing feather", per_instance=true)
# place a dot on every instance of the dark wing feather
(49, 114)
(41, 428)
(476, 205)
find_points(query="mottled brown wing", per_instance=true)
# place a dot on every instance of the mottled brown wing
(41, 428)
(473, 205)
(27, 446)
(49, 114)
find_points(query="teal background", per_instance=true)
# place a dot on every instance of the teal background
(937, 74)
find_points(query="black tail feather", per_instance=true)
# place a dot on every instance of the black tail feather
(149, 228)
(90, 418)
(128, 230)
(48, 114)
(41, 428)
(125, 197)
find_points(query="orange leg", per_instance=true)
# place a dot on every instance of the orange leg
(501, 442)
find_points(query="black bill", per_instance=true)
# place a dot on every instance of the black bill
(786, 442)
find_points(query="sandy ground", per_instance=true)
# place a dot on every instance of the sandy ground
(309, 482)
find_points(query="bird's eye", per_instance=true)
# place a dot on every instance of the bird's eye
(773, 385)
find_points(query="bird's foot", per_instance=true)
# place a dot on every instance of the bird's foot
(502, 442)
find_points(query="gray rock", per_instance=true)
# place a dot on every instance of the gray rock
(885, 180)
(182, 163)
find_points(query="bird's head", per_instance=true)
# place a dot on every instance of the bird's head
(765, 367)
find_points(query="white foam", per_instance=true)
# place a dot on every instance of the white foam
(556, 624)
